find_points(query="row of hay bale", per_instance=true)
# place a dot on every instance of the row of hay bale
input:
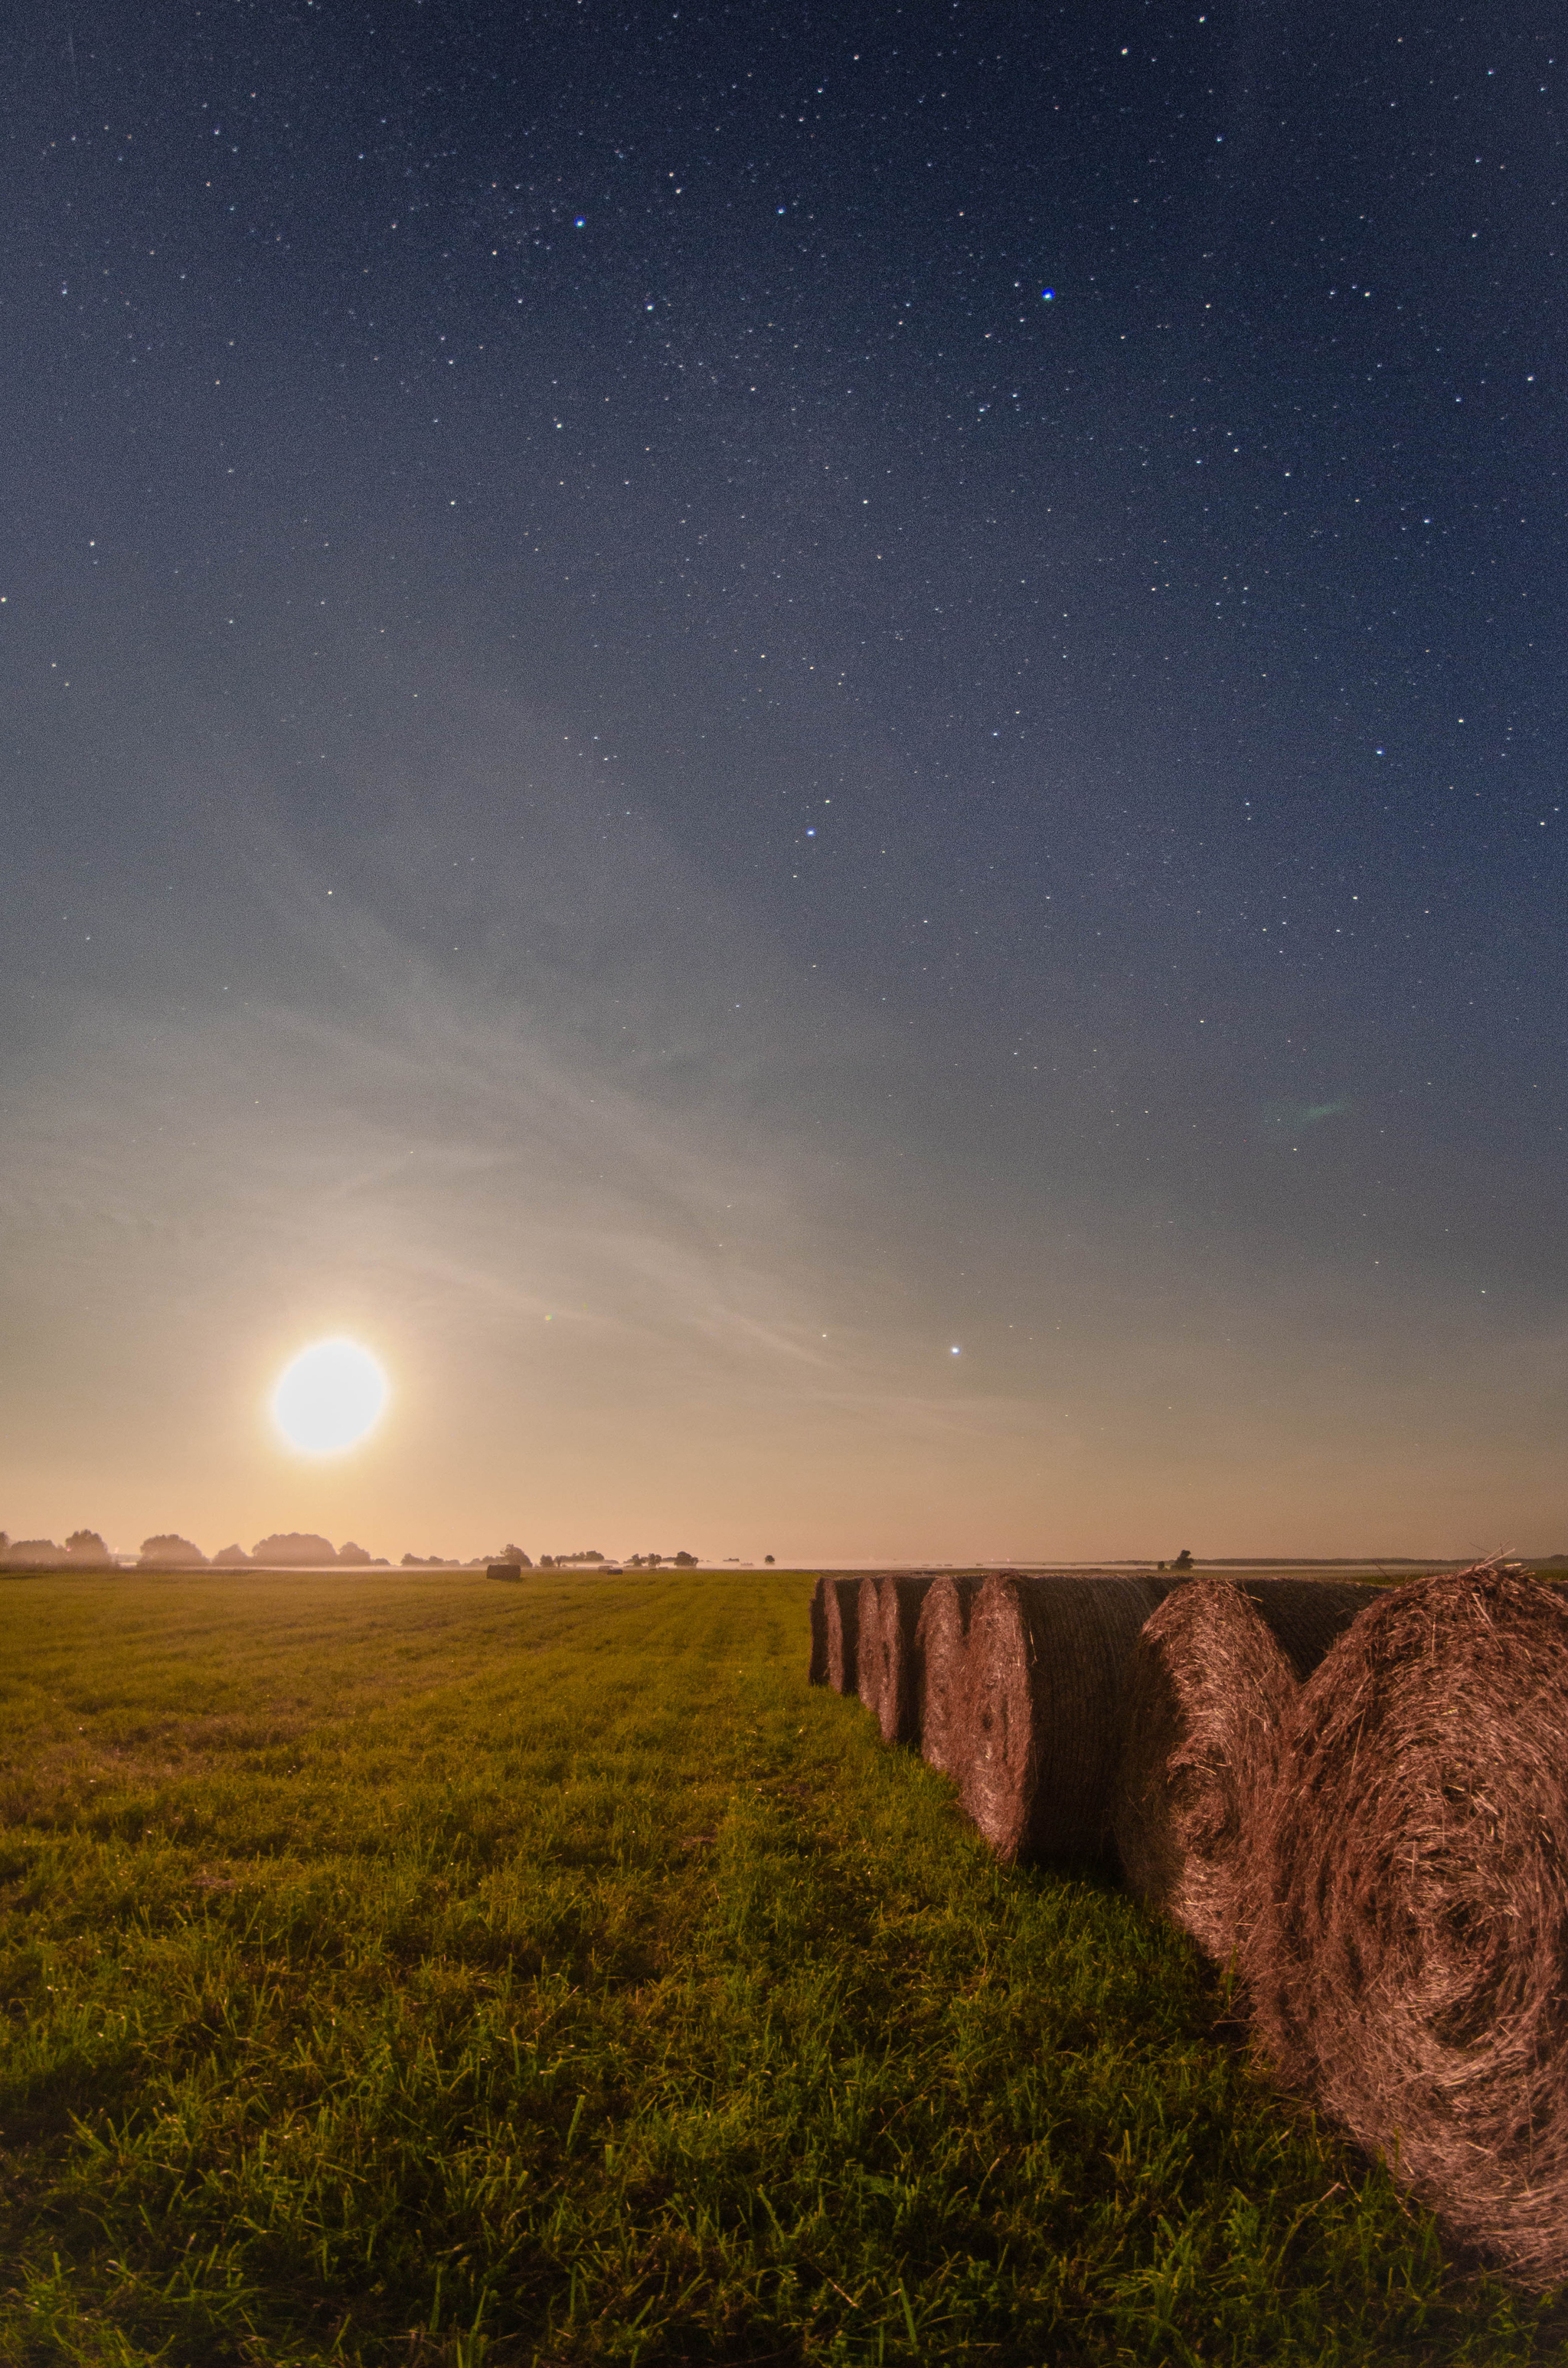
(1356, 1795)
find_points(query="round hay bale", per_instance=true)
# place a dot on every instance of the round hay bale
(1213, 1679)
(1041, 1724)
(889, 1609)
(841, 1605)
(939, 1671)
(1405, 1952)
(817, 1673)
(869, 1661)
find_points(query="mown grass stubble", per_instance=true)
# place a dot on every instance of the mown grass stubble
(414, 1968)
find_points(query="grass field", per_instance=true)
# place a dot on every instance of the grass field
(417, 1968)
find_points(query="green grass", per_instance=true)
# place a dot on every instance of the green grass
(417, 1969)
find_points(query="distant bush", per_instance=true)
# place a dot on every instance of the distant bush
(686, 1561)
(293, 1550)
(86, 1545)
(349, 1552)
(231, 1558)
(169, 1551)
(34, 1554)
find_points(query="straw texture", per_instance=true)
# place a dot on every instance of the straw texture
(1406, 1950)
(939, 1672)
(867, 1659)
(1214, 1676)
(1040, 1725)
(841, 1605)
(889, 1612)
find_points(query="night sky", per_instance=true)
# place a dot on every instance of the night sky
(817, 752)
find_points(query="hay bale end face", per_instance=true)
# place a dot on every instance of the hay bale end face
(870, 1663)
(504, 1570)
(938, 1674)
(1041, 1729)
(1406, 1950)
(817, 1673)
(1213, 1679)
(889, 1612)
(841, 1604)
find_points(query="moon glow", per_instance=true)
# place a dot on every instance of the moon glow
(330, 1397)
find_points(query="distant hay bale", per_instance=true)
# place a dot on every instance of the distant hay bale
(940, 1675)
(869, 1669)
(1041, 1722)
(1213, 1677)
(1405, 1952)
(504, 1570)
(841, 1605)
(889, 1611)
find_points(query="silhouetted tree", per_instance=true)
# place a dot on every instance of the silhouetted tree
(768, 1558)
(293, 1550)
(168, 1551)
(231, 1558)
(349, 1551)
(86, 1545)
(684, 1561)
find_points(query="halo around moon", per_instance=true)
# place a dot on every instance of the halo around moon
(329, 1397)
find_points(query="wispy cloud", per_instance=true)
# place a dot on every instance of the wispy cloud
(1293, 1118)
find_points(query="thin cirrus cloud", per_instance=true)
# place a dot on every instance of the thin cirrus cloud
(1284, 1119)
(595, 1304)
(638, 1259)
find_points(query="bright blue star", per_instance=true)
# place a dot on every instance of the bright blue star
(1047, 295)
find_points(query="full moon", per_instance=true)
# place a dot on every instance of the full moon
(329, 1398)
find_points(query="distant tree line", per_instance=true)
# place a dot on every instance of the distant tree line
(301, 1549)
(289, 1550)
(82, 1547)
